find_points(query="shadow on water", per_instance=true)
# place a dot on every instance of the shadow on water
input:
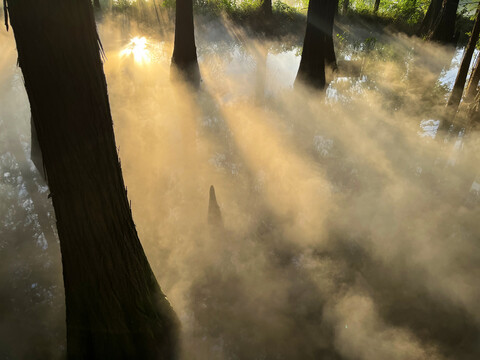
(340, 236)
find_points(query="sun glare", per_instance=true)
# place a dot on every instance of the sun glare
(137, 47)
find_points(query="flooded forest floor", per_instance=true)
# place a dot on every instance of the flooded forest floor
(347, 230)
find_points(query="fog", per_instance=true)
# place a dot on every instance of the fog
(348, 231)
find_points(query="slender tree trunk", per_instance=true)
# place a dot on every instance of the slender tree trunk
(96, 4)
(431, 17)
(457, 92)
(318, 49)
(345, 6)
(267, 7)
(376, 6)
(444, 27)
(184, 57)
(473, 113)
(115, 308)
(473, 82)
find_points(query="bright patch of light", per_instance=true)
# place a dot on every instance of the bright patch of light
(137, 47)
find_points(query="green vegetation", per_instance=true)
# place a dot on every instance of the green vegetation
(398, 15)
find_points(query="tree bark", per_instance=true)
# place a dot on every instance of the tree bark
(431, 17)
(115, 308)
(318, 49)
(457, 92)
(376, 6)
(444, 27)
(184, 58)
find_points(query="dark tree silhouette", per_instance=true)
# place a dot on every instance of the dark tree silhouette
(444, 28)
(318, 50)
(214, 214)
(430, 18)
(457, 91)
(472, 86)
(376, 6)
(115, 307)
(267, 7)
(184, 58)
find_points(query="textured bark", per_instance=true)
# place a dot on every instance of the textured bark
(457, 91)
(444, 27)
(184, 57)
(376, 6)
(115, 308)
(431, 17)
(267, 7)
(318, 48)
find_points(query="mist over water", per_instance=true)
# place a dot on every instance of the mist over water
(347, 233)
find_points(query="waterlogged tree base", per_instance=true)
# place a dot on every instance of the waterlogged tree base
(318, 49)
(189, 74)
(114, 306)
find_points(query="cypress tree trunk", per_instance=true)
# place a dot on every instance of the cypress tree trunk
(318, 49)
(345, 6)
(376, 6)
(444, 27)
(473, 114)
(473, 82)
(457, 92)
(267, 7)
(184, 57)
(115, 308)
(430, 17)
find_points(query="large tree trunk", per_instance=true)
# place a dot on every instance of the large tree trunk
(444, 27)
(318, 49)
(431, 17)
(457, 91)
(184, 58)
(115, 308)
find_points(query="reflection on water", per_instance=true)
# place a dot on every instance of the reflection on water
(331, 208)
(429, 128)
(137, 47)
